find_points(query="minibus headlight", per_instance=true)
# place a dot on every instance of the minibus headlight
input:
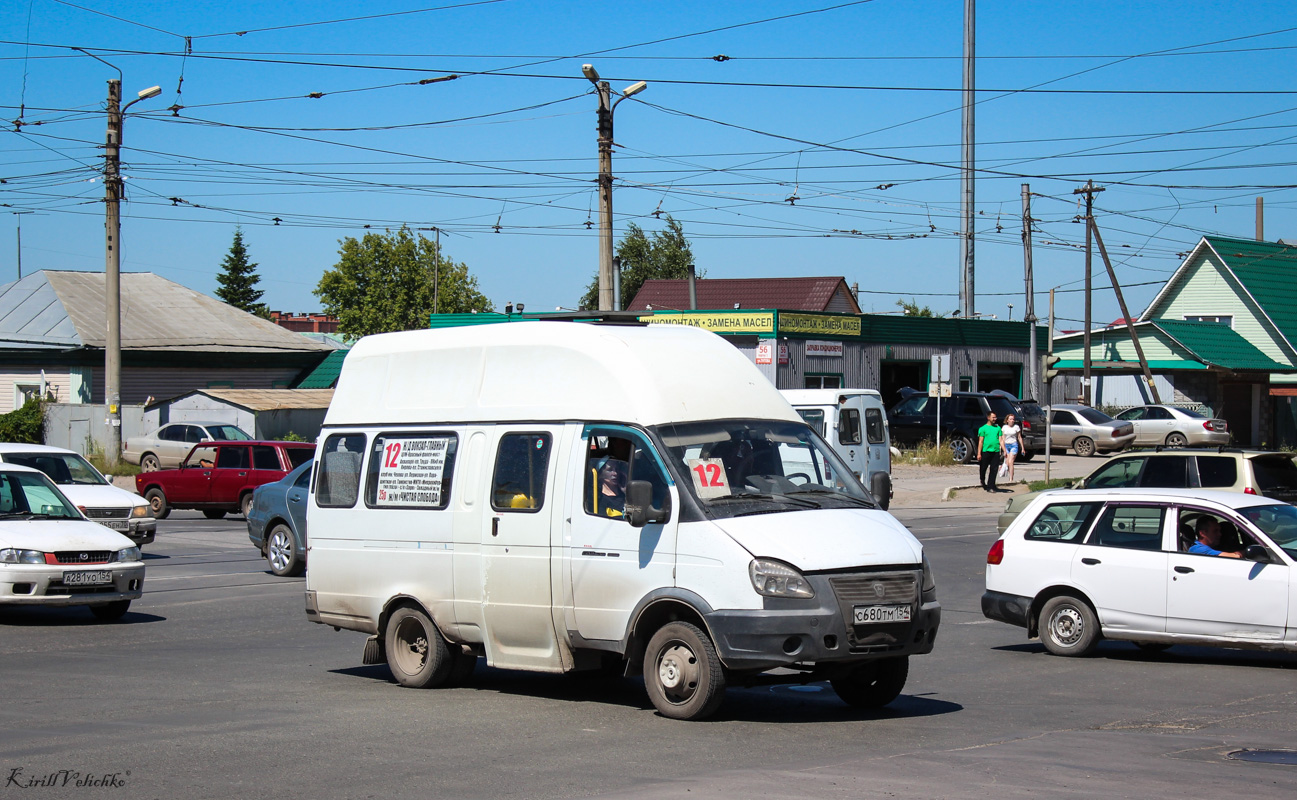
(929, 582)
(776, 579)
(12, 555)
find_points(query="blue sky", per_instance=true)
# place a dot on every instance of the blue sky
(1184, 112)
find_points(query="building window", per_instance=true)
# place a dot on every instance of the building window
(822, 382)
(1220, 319)
(24, 392)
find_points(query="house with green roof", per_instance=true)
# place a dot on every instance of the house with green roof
(1222, 333)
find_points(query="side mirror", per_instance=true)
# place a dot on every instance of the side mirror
(1257, 553)
(639, 505)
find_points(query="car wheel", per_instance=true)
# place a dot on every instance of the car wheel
(1084, 446)
(157, 503)
(111, 611)
(1068, 627)
(682, 672)
(1177, 439)
(961, 447)
(416, 653)
(213, 513)
(281, 553)
(245, 505)
(150, 463)
(873, 684)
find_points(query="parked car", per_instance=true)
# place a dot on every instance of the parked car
(51, 555)
(92, 493)
(1088, 430)
(277, 521)
(219, 477)
(1258, 472)
(1078, 566)
(1031, 418)
(1175, 427)
(165, 447)
(914, 420)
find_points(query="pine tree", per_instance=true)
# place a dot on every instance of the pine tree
(239, 279)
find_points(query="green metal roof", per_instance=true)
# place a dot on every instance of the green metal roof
(1220, 345)
(324, 376)
(1266, 270)
(945, 331)
(1132, 366)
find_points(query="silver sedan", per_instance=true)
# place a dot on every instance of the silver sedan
(1088, 430)
(1175, 427)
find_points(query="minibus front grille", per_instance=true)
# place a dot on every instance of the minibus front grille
(877, 589)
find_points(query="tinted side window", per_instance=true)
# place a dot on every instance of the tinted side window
(265, 457)
(849, 426)
(521, 469)
(1274, 472)
(194, 434)
(1122, 472)
(1217, 471)
(1167, 472)
(1064, 418)
(172, 433)
(874, 426)
(338, 482)
(411, 470)
(1158, 413)
(303, 480)
(911, 406)
(970, 407)
(233, 458)
(1064, 522)
(1130, 527)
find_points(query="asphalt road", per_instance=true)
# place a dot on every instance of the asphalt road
(216, 686)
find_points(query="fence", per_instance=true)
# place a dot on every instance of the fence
(81, 427)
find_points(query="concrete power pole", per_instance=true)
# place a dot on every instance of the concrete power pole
(605, 195)
(112, 273)
(967, 304)
(1029, 317)
(1089, 190)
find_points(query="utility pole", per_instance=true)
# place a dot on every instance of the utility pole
(1049, 392)
(112, 273)
(1089, 190)
(967, 302)
(18, 215)
(436, 274)
(1125, 314)
(605, 195)
(1030, 311)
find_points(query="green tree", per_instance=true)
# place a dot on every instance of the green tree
(666, 256)
(384, 282)
(238, 279)
(912, 309)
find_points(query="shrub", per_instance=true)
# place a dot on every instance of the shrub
(928, 453)
(293, 437)
(25, 425)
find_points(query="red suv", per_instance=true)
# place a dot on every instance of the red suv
(218, 477)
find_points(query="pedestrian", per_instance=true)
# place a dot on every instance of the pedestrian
(1010, 443)
(988, 452)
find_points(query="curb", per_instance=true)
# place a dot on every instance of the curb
(945, 494)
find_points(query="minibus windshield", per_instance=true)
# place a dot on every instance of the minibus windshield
(746, 466)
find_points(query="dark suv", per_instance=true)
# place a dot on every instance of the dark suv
(914, 420)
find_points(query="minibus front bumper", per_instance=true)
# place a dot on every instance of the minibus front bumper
(823, 629)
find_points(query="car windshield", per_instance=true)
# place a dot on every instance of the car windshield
(739, 467)
(1092, 415)
(63, 468)
(30, 495)
(1279, 522)
(227, 433)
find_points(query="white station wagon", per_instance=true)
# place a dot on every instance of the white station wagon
(1081, 565)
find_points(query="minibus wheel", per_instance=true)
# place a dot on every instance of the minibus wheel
(682, 672)
(873, 684)
(416, 652)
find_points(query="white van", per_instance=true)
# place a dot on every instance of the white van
(854, 423)
(558, 496)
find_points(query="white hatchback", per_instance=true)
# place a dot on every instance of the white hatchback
(111, 506)
(1081, 565)
(50, 555)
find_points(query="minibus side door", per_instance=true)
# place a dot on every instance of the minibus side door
(516, 597)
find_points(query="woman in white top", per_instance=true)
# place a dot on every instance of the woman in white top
(1010, 443)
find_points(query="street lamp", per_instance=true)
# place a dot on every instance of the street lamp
(606, 109)
(112, 267)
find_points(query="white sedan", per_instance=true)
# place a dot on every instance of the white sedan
(1081, 565)
(51, 555)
